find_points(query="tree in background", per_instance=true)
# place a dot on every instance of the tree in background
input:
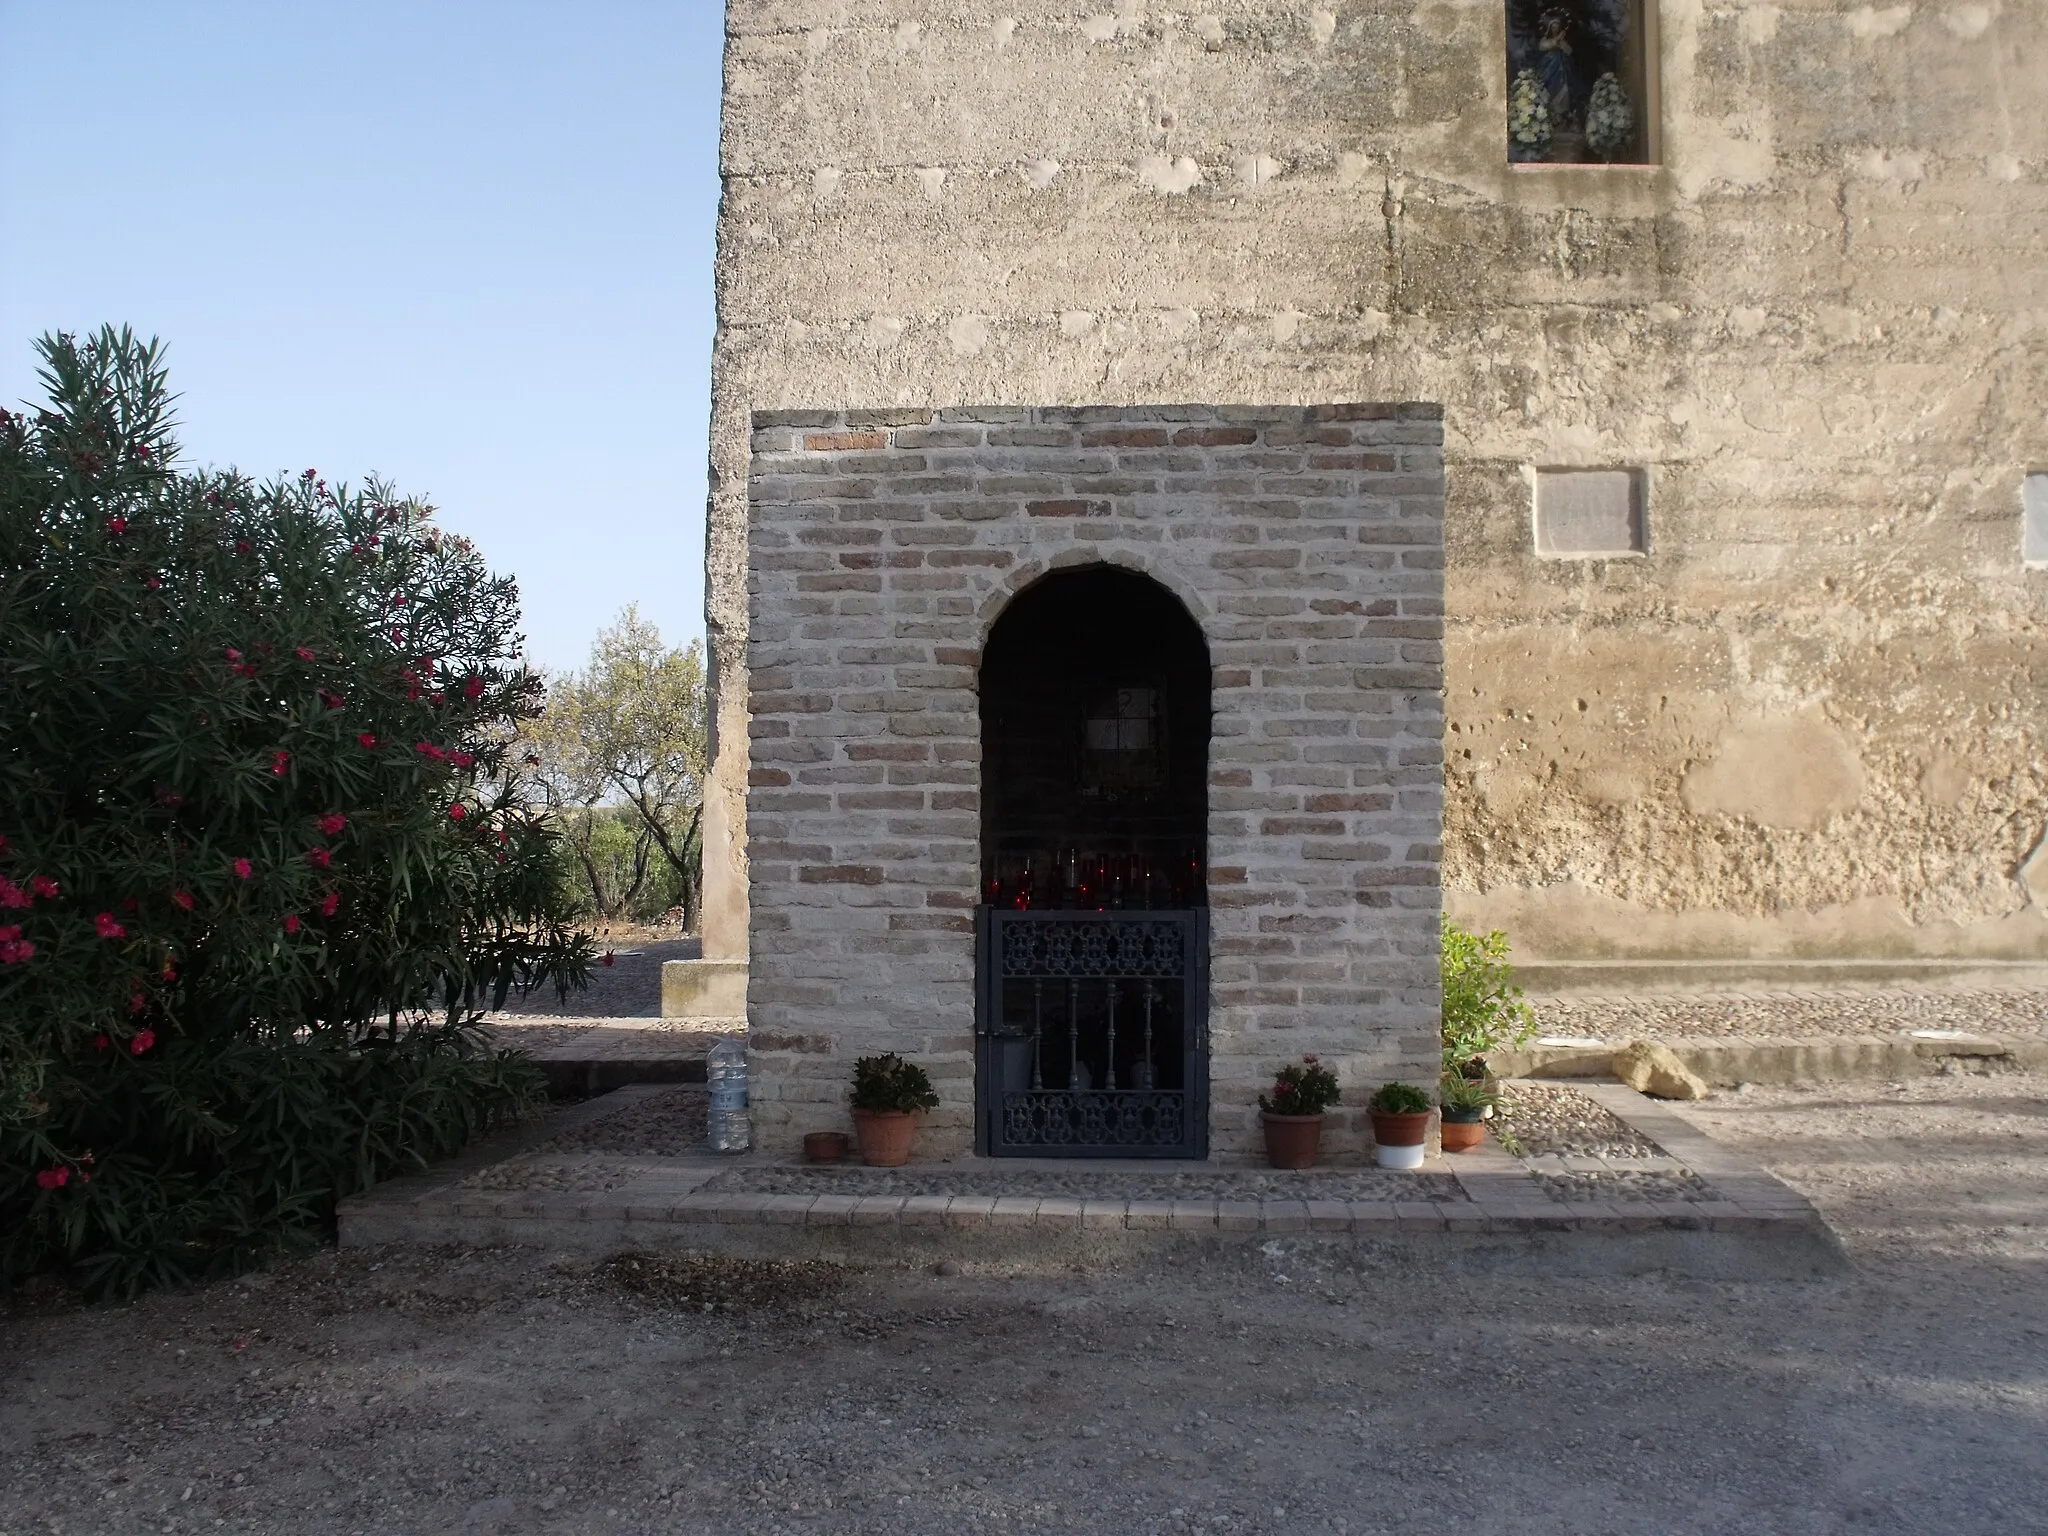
(621, 752)
(265, 847)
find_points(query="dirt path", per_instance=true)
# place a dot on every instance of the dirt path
(513, 1392)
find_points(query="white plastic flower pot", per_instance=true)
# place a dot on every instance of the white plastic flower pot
(1399, 1157)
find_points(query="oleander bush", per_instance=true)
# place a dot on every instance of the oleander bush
(266, 849)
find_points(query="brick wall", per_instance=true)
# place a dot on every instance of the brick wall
(1307, 542)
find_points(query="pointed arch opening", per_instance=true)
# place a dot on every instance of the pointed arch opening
(1095, 725)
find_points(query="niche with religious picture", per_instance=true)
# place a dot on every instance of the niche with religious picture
(1579, 83)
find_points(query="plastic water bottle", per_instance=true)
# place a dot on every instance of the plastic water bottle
(725, 1073)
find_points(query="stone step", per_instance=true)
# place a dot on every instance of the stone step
(553, 1184)
(1723, 1063)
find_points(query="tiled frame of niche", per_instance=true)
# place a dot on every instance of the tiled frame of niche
(1637, 65)
(2034, 519)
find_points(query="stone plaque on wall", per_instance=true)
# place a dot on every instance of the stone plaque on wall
(1589, 513)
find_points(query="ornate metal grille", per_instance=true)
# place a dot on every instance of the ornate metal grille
(1091, 1033)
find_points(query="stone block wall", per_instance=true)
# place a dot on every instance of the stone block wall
(1307, 542)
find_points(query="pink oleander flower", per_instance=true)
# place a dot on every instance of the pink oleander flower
(117, 525)
(243, 869)
(107, 928)
(12, 895)
(144, 1039)
(303, 653)
(291, 922)
(329, 903)
(53, 1178)
(44, 887)
(280, 760)
(332, 823)
(320, 858)
(473, 689)
(366, 739)
(457, 811)
(182, 898)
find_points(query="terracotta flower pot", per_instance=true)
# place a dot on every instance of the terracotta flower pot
(1462, 1135)
(1292, 1141)
(1398, 1140)
(825, 1146)
(884, 1136)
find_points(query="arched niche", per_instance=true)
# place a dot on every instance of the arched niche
(1095, 746)
(1092, 938)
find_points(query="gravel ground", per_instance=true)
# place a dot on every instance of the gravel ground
(668, 1122)
(1275, 1388)
(1239, 1184)
(1803, 1014)
(1537, 1118)
(578, 1175)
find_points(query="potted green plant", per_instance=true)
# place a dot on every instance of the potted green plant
(889, 1096)
(1400, 1125)
(1293, 1112)
(1483, 1010)
(1462, 1105)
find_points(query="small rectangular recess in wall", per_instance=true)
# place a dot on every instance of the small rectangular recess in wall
(1582, 83)
(1590, 514)
(2034, 518)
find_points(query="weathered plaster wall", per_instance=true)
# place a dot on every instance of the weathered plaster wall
(1806, 722)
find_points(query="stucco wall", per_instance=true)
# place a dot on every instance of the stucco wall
(1307, 544)
(1805, 723)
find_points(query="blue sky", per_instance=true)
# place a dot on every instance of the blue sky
(464, 246)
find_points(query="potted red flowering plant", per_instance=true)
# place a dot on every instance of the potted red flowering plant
(1293, 1112)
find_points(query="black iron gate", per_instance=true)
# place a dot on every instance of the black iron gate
(1092, 1033)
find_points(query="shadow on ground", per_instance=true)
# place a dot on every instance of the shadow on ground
(1293, 1387)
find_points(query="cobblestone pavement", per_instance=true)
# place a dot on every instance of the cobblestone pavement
(1279, 1387)
(1806, 1013)
(1669, 1183)
(1576, 1149)
(1538, 1118)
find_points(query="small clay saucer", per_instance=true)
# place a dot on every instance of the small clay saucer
(825, 1146)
